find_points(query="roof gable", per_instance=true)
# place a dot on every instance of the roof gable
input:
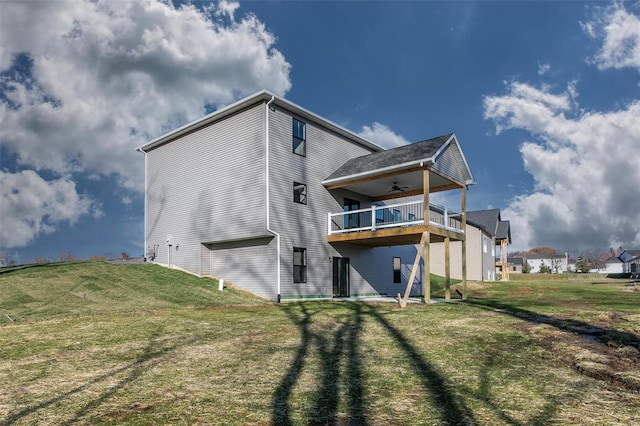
(263, 97)
(442, 154)
(503, 231)
(424, 150)
(487, 220)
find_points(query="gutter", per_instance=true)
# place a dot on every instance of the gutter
(268, 198)
(383, 170)
(249, 101)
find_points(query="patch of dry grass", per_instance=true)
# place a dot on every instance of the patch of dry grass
(504, 357)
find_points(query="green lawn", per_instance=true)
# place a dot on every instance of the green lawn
(94, 343)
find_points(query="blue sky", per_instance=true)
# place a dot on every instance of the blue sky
(543, 96)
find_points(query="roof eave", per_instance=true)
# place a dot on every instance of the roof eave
(262, 96)
(371, 173)
(454, 139)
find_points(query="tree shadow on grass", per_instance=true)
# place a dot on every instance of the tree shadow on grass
(452, 409)
(335, 349)
(280, 404)
(153, 354)
(583, 329)
(485, 394)
(340, 357)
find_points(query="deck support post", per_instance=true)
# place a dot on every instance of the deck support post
(426, 280)
(402, 300)
(447, 271)
(504, 259)
(463, 208)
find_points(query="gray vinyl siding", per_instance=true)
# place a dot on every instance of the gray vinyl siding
(206, 187)
(489, 259)
(306, 225)
(479, 263)
(249, 264)
(450, 163)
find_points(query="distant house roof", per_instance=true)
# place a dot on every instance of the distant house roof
(613, 259)
(515, 260)
(490, 222)
(545, 256)
(485, 219)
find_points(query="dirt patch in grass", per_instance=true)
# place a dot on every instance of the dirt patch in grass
(597, 350)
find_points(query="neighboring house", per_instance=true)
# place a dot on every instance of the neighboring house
(613, 265)
(288, 205)
(485, 231)
(515, 264)
(557, 263)
(630, 261)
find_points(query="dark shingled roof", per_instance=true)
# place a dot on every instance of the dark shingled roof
(392, 157)
(514, 260)
(485, 219)
(504, 231)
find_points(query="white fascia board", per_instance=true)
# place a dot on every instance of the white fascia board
(262, 96)
(305, 113)
(202, 121)
(454, 139)
(377, 171)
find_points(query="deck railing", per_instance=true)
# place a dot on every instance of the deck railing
(393, 216)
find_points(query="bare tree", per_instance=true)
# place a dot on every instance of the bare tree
(67, 257)
(543, 250)
(6, 259)
(597, 258)
(556, 263)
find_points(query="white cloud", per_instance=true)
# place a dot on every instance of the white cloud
(543, 69)
(584, 169)
(106, 76)
(382, 135)
(583, 164)
(620, 31)
(82, 83)
(525, 107)
(30, 206)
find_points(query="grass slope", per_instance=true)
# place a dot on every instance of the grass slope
(525, 353)
(36, 292)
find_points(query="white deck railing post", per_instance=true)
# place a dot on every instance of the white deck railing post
(404, 218)
(373, 217)
(446, 221)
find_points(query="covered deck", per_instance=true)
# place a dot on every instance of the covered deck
(408, 174)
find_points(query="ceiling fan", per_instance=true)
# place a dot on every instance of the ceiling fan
(395, 187)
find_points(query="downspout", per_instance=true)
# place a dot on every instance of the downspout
(144, 246)
(266, 138)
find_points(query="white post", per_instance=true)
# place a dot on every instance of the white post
(329, 223)
(373, 217)
(446, 221)
(220, 284)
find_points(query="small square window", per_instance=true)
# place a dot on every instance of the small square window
(397, 276)
(299, 193)
(299, 137)
(299, 265)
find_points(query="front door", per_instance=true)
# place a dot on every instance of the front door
(340, 277)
